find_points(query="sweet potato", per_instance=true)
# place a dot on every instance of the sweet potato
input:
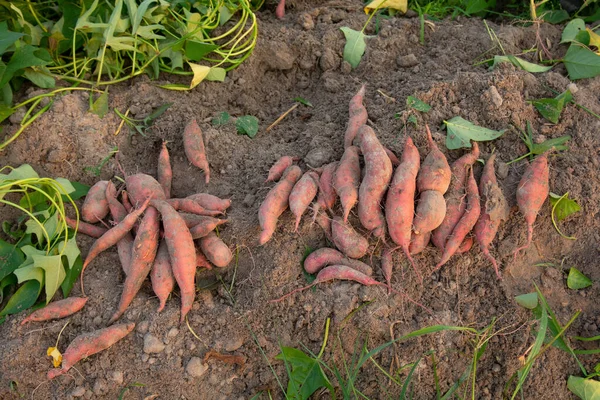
(276, 202)
(87, 344)
(387, 267)
(85, 228)
(435, 172)
(347, 240)
(111, 237)
(358, 117)
(494, 210)
(466, 222)
(145, 246)
(455, 197)
(210, 202)
(325, 256)
(164, 172)
(215, 250)
(201, 260)
(126, 202)
(399, 204)
(347, 179)
(532, 192)
(118, 213)
(181, 253)
(378, 172)
(393, 159)
(324, 222)
(280, 166)
(418, 243)
(56, 309)
(95, 206)
(280, 9)
(190, 206)
(141, 187)
(193, 145)
(161, 275)
(204, 228)
(327, 196)
(466, 245)
(430, 211)
(303, 193)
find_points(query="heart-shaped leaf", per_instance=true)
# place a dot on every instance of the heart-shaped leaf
(585, 389)
(355, 45)
(576, 280)
(528, 300)
(306, 375)
(461, 132)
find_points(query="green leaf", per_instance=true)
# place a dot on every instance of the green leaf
(556, 16)
(221, 119)
(520, 63)
(100, 105)
(552, 108)
(23, 298)
(5, 111)
(224, 15)
(154, 115)
(72, 273)
(355, 46)
(6, 284)
(303, 101)
(195, 50)
(412, 119)
(29, 273)
(70, 250)
(581, 62)
(417, 104)
(572, 29)
(247, 124)
(80, 190)
(54, 273)
(7, 38)
(563, 206)
(306, 375)
(40, 77)
(528, 300)
(576, 280)
(10, 258)
(461, 132)
(24, 57)
(556, 143)
(216, 74)
(585, 389)
(66, 185)
(22, 172)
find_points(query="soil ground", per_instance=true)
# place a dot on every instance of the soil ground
(302, 56)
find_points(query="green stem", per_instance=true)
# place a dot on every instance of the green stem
(518, 158)
(325, 338)
(24, 126)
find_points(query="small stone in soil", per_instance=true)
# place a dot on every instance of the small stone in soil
(116, 377)
(407, 61)
(152, 344)
(78, 391)
(195, 367)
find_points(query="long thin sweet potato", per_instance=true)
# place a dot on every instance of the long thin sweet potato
(378, 172)
(216, 250)
(210, 202)
(125, 200)
(302, 194)
(118, 213)
(85, 228)
(347, 240)
(164, 172)
(327, 196)
(325, 256)
(324, 222)
(182, 254)
(57, 309)
(95, 207)
(193, 144)
(276, 202)
(87, 344)
(435, 173)
(190, 206)
(161, 275)
(358, 116)
(346, 180)
(144, 250)
(280, 166)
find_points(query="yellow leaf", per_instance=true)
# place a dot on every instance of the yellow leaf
(56, 356)
(400, 5)
(200, 72)
(594, 40)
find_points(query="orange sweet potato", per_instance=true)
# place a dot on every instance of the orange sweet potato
(347, 240)
(277, 170)
(327, 196)
(95, 206)
(302, 194)
(325, 256)
(418, 243)
(210, 202)
(430, 211)
(346, 180)
(358, 117)
(193, 144)
(161, 275)
(57, 309)
(164, 172)
(435, 173)
(216, 250)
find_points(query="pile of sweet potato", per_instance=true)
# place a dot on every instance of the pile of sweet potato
(417, 203)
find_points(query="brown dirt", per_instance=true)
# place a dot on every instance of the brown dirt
(292, 61)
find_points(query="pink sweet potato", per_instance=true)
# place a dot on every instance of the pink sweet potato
(430, 211)
(87, 344)
(435, 172)
(95, 206)
(193, 145)
(126, 202)
(327, 196)
(346, 180)
(378, 172)
(455, 197)
(210, 202)
(216, 250)
(418, 243)
(204, 228)
(276, 203)
(465, 246)
(190, 206)
(347, 240)
(324, 222)
(532, 192)
(118, 213)
(303, 193)
(280, 9)
(161, 275)
(85, 228)
(325, 256)
(57, 309)
(358, 117)
(393, 159)
(201, 260)
(141, 187)
(277, 170)
(164, 172)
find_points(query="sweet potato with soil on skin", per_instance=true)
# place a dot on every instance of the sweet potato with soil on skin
(201, 260)
(532, 193)
(85, 228)
(358, 116)
(378, 173)
(435, 172)
(210, 202)
(90, 343)
(455, 197)
(182, 254)
(145, 246)
(161, 275)
(118, 213)
(393, 159)
(494, 209)
(303, 193)
(276, 202)
(346, 180)
(325, 256)
(56, 309)
(215, 250)
(466, 223)
(400, 201)
(126, 202)
(204, 228)
(190, 206)
(193, 145)
(141, 187)
(279, 168)
(327, 196)
(418, 243)
(465, 246)
(347, 240)
(430, 211)
(95, 206)
(164, 172)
